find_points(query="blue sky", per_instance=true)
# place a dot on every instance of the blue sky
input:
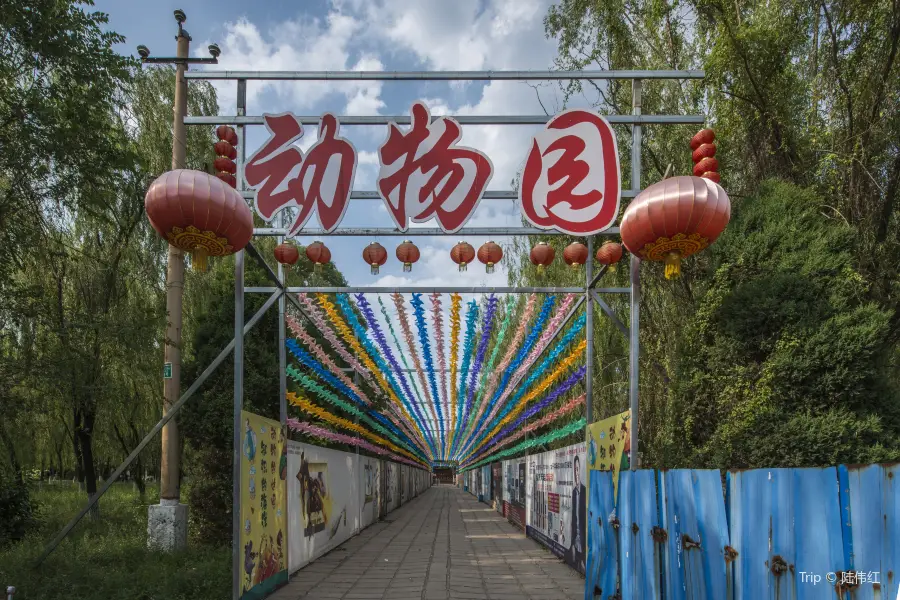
(374, 35)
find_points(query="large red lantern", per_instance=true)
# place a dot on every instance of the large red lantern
(319, 254)
(609, 254)
(407, 253)
(490, 254)
(462, 254)
(542, 255)
(287, 254)
(375, 255)
(675, 218)
(575, 254)
(198, 213)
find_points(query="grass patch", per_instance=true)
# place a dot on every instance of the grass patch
(108, 557)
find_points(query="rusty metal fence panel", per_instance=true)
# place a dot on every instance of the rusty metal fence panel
(870, 505)
(694, 517)
(771, 534)
(641, 556)
(786, 529)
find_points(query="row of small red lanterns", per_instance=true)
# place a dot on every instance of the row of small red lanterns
(490, 253)
(374, 254)
(226, 153)
(576, 254)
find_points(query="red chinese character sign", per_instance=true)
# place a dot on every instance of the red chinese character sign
(425, 175)
(283, 177)
(571, 177)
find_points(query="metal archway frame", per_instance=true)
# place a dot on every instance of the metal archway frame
(589, 293)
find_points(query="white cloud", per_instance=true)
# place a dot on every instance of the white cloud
(306, 42)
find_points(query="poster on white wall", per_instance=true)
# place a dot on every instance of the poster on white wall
(323, 501)
(556, 506)
(370, 490)
(392, 487)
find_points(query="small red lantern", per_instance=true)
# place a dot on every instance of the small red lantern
(227, 134)
(287, 254)
(609, 254)
(575, 254)
(490, 254)
(675, 218)
(375, 255)
(462, 254)
(319, 254)
(407, 253)
(542, 255)
(198, 213)
(225, 165)
(704, 136)
(225, 149)
(227, 178)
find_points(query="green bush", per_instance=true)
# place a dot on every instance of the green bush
(786, 361)
(16, 510)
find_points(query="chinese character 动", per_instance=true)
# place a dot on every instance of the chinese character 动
(283, 178)
(571, 176)
(424, 174)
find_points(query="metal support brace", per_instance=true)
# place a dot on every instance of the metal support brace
(236, 572)
(589, 333)
(609, 313)
(635, 346)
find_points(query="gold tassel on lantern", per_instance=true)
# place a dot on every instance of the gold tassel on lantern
(673, 265)
(198, 259)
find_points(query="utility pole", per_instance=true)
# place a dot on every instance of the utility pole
(167, 521)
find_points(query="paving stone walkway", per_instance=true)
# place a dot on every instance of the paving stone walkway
(442, 545)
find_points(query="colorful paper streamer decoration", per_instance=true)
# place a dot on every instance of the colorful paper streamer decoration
(530, 339)
(377, 333)
(418, 397)
(411, 344)
(570, 429)
(314, 387)
(326, 434)
(455, 303)
(437, 321)
(537, 372)
(419, 312)
(304, 336)
(379, 374)
(312, 311)
(495, 375)
(471, 317)
(310, 408)
(486, 328)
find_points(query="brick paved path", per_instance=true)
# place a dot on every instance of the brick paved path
(442, 545)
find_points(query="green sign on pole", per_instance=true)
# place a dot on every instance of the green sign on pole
(167, 371)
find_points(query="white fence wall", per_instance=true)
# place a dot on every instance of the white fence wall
(333, 495)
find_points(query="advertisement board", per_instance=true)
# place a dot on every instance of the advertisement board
(555, 508)
(497, 486)
(263, 506)
(609, 446)
(514, 477)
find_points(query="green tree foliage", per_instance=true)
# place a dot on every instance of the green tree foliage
(779, 346)
(82, 131)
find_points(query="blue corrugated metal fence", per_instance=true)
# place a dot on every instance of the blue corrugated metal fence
(764, 534)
